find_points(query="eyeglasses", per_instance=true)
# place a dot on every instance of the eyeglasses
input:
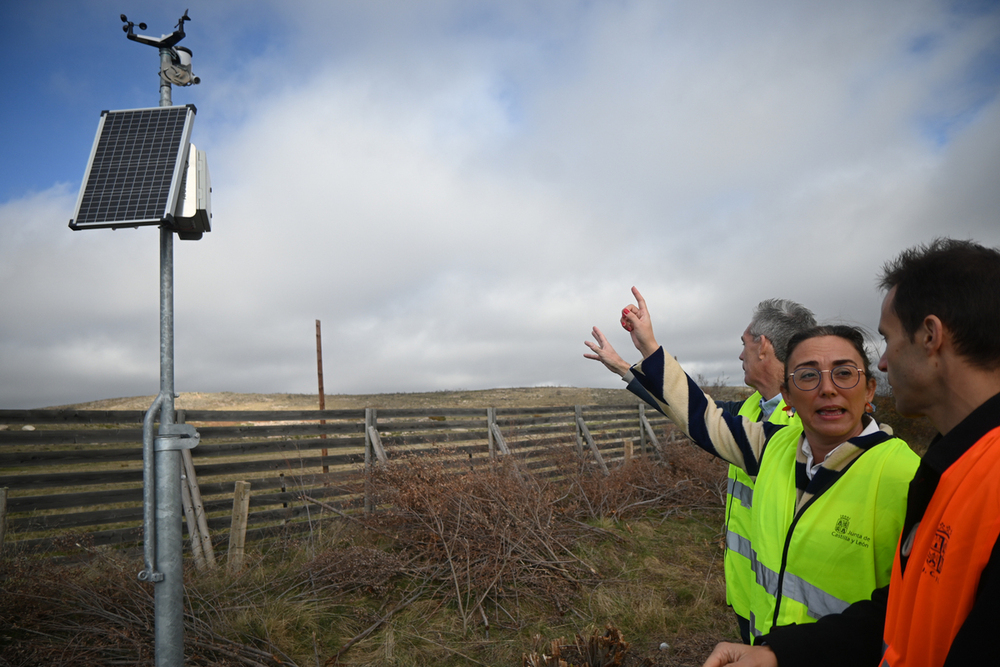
(845, 377)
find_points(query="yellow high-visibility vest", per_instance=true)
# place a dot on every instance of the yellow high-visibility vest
(739, 501)
(839, 546)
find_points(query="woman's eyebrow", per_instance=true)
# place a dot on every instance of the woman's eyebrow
(838, 362)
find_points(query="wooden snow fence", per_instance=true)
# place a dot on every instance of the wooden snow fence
(79, 472)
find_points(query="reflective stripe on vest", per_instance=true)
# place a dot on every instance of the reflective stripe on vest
(818, 602)
(839, 546)
(741, 492)
(930, 602)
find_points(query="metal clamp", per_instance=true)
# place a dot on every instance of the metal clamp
(176, 437)
(146, 575)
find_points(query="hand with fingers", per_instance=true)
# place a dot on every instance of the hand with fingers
(635, 320)
(604, 353)
(741, 655)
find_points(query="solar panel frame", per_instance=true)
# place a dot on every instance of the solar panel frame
(136, 167)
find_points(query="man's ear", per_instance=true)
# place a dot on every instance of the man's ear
(933, 334)
(766, 346)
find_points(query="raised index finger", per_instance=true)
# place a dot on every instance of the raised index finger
(639, 299)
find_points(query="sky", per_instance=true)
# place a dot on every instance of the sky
(460, 190)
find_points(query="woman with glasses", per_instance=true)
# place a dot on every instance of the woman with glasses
(831, 489)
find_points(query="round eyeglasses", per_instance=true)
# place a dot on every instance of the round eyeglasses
(845, 377)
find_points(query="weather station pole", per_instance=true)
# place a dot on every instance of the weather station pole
(144, 171)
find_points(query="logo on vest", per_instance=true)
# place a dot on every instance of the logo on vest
(935, 554)
(842, 531)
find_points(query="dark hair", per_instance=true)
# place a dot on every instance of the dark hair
(852, 335)
(779, 320)
(959, 282)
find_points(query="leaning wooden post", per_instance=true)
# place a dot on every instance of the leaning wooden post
(3, 515)
(578, 419)
(238, 529)
(198, 507)
(370, 418)
(192, 527)
(491, 417)
(582, 428)
(654, 443)
(642, 431)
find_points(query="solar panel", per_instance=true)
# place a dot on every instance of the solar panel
(135, 170)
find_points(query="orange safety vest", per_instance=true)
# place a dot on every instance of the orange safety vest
(929, 603)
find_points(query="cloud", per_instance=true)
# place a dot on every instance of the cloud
(459, 192)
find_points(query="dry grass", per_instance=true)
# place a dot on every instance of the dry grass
(458, 568)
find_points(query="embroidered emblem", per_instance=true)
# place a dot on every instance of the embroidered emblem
(935, 555)
(843, 524)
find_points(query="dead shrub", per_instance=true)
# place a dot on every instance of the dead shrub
(353, 569)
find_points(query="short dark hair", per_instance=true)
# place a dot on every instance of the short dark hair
(779, 320)
(852, 335)
(959, 282)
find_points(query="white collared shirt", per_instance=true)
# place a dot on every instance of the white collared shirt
(812, 466)
(768, 407)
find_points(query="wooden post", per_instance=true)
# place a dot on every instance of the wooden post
(238, 529)
(200, 522)
(642, 432)
(654, 443)
(578, 419)
(194, 533)
(322, 395)
(490, 418)
(497, 441)
(627, 450)
(371, 417)
(3, 515)
(582, 428)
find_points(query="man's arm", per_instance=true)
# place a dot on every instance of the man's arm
(853, 637)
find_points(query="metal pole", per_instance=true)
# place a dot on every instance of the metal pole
(168, 594)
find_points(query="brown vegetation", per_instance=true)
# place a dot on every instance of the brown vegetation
(474, 567)
(487, 567)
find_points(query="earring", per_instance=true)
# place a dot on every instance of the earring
(789, 410)
(870, 408)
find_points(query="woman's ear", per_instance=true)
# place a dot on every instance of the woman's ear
(872, 383)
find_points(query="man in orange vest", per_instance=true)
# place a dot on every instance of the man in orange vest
(941, 324)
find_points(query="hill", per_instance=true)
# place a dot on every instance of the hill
(523, 397)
